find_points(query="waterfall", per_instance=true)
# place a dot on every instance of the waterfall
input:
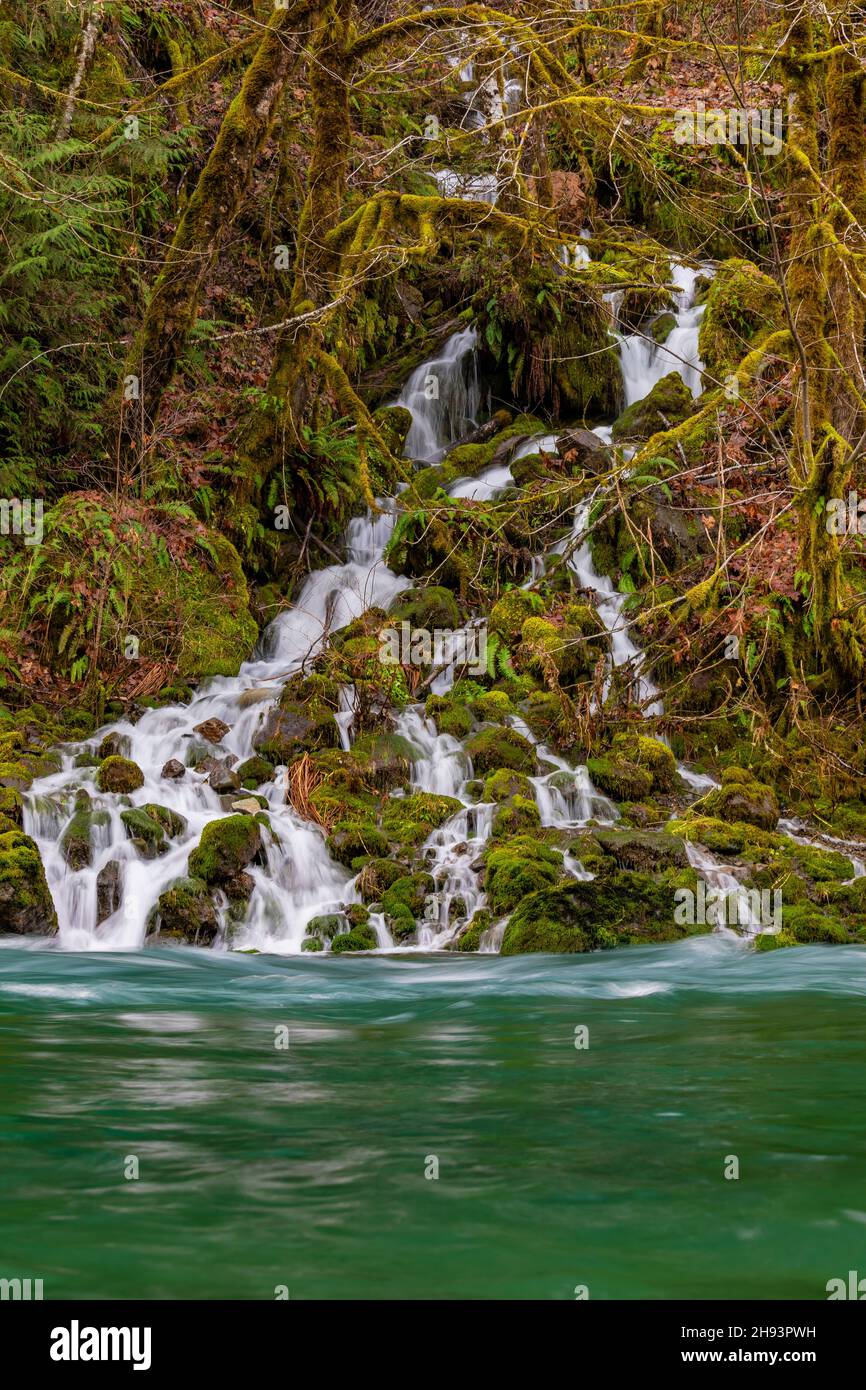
(443, 398)
(644, 361)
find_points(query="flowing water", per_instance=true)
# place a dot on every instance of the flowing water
(305, 1167)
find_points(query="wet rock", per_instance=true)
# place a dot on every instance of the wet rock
(222, 779)
(226, 846)
(668, 403)
(185, 913)
(741, 797)
(250, 805)
(146, 833)
(584, 450)
(26, 906)
(173, 769)
(286, 733)
(254, 771)
(214, 730)
(76, 843)
(117, 774)
(172, 822)
(240, 887)
(114, 745)
(109, 890)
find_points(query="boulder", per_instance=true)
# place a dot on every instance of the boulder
(109, 890)
(226, 847)
(117, 774)
(173, 769)
(213, 730)
(26, 905)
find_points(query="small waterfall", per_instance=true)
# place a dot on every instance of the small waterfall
(644, 361)
(443, 398)
(732, 905)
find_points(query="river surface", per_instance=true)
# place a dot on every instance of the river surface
(263, 1166)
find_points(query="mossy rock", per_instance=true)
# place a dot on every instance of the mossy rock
(511, 610)
(742, 306)
(118, 774)
(741, 797)
(26, 905)
(644, 852)
(326, 927)
(620, 778)
(146, 833)
(516, 868)
(312, 943)
(185, 912)
(12, 804)
(505, 783)
(290, 730)
(494, 706)
(393, 423)
(429, 606)
(76, 842)
(662, 327)
(623, 909)
(668, 403)
(518, 816)
(409, 820)
(377, 876)
(361, 938)
(226, 847)
(808, 924)
(449, 714)
(255, 771)
(650, 754)
(353, 844)
(470, 938)
(385, 759)
(492, 749)
(403, 903)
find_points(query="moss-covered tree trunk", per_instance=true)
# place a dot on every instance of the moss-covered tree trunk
(171, 311)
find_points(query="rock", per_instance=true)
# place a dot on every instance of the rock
(358, 939)
(226, 846)
(254, 771)
(642, 851)
(620, 909)
(118, 774)
(173, 769)
(501, 748)
(248, 804)
(76, 842)
(326, 927)
(741, 797)
(185, 912)
(376, 876)
(256, 696)
(109, 890)
(26, 905)
(114, 745)
(172, 822)
(662, 327)
(583, 449)
(351, 844)
(214, 730)
(240, 887)
(222, 779)
(146, 834)
(403, 903)
(517, 868)
(668, 403)
(743, 304)
(518, 816)
(286, 733)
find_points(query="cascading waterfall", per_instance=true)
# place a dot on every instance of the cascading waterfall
(299, 879)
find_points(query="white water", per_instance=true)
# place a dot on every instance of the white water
(443, 398)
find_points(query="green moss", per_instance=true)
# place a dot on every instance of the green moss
(353, 844)
(255, 771)
(743, 305)
(185, 912)
(76, 842)
(511, 610)
(741, 797)
(311, 943)
(119, 775)
(225, 848)
(619, 777)
(358, 939)
(808, 924)
(26, 905)
(518, 816)
(519, 867)
(492, 749)
(650, 754)
(409, 820)
(622, 909)
(470, 938)
(170, 821)
(449, 715)
(503, 784)
(377, 876)
(668, 403)
(429, 606)
(326, 927)
(145, 832)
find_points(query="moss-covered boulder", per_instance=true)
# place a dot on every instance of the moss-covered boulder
(517, 868)
(118, 774)
(255, 771)
(741, 797)
(742, 306)
(353, 844)
(622, 909)
(185, 912)
(511, 611)
(619, 777)
(109, 890)
(326, 926)
(642, 851)
(377, 876)
(146, 833)
(518, 816)
(505, 783)
(668, 403)
(76, 842)
(450, 715)
(403, 903)
(226, 847)
(361, 938)
(408, 820)
(493, 749)
(427, 605)
(26, 905)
